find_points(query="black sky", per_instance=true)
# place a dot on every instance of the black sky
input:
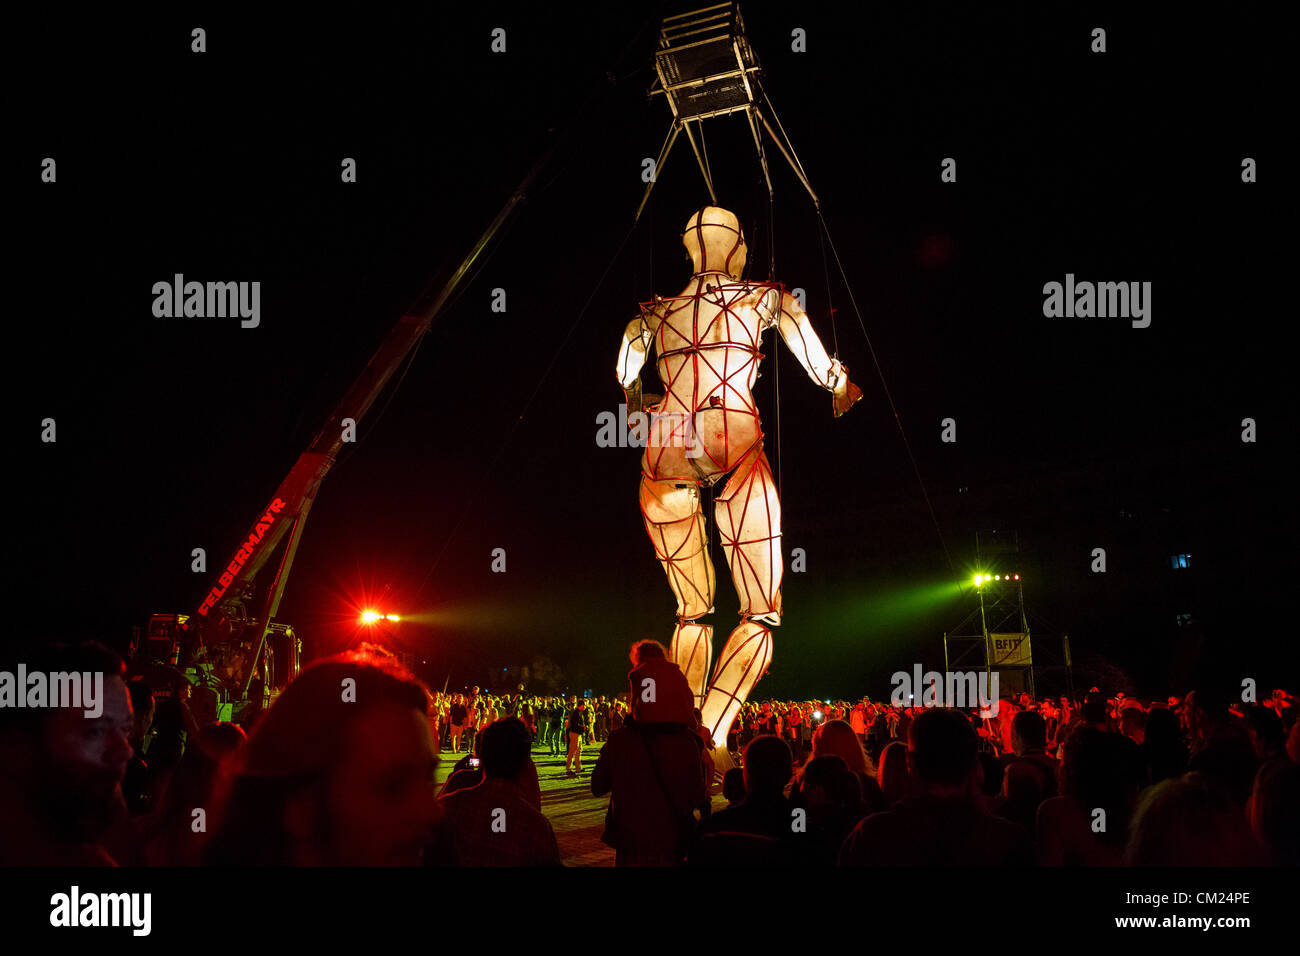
(1124, 166)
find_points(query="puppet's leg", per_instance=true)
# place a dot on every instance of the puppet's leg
(692, 651)
(674, 519)
(743, 661)
(749, 522)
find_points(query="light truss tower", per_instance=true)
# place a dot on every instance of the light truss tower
(998, 626)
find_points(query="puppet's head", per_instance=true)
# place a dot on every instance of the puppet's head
(715, 242)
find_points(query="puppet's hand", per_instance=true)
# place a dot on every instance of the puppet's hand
(634, 397)
(846, 394)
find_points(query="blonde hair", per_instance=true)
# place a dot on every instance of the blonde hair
(836, 737)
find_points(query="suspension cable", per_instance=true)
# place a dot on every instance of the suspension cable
(478, 486)
(888, 396)
(830, 305)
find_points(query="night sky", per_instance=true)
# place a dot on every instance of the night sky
(1077, 433)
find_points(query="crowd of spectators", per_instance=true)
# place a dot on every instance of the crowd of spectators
(562, 725)
(340, 770)
(1198, 780)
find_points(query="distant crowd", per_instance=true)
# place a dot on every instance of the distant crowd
(340, 770)
(1185, 781)
(875, 724)
(562, 726)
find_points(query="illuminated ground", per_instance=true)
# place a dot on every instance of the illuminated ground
(577, 816)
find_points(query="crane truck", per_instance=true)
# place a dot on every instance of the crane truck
(232, 653)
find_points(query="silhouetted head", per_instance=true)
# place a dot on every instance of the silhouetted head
(66, 763)
(826, 784)
(338, 772)
(1267, 735)
(715, 241)
(505, 748)
(1274, 811)
(836, 737)
(1103, 770)
(942, 748)
(733, 785)
(768, 765)
(1133, 724)
(1095, 710)
(1189, 821)
(893, 774)
(1028, 731)
(647, 650)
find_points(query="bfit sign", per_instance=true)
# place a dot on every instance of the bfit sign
(1011, 650)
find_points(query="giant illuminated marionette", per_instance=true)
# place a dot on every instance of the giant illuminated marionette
(706, 427)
